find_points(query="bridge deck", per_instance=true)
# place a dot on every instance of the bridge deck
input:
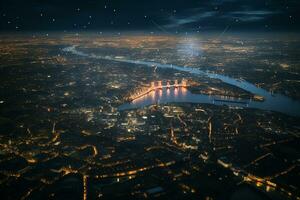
(157, 88)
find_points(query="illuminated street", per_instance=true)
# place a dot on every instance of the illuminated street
(149, 100)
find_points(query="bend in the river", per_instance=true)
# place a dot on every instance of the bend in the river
(273, 102)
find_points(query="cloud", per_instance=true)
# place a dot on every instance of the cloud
(223, 12)
(180, 21)
(251, 15)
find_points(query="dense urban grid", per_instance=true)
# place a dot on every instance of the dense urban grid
(68, 130)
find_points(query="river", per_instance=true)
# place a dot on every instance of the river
(272, 102)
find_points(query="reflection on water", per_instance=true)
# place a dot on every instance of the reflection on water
(182, 94)
(161, 95)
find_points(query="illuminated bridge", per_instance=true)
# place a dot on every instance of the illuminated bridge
(158, 85)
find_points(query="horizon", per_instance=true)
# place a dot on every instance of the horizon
(140, 99)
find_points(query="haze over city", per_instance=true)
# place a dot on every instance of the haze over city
(149, 99)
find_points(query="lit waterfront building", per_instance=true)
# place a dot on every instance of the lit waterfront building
(184, 83)
(152, 85)
(176, 83)
(159, 84)
(168, 84)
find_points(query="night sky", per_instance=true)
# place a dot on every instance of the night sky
(151, 15)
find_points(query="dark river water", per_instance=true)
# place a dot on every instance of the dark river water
(272, 102)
